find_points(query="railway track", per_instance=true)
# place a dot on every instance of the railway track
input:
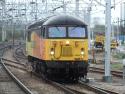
(82, 88)
(100, 70)
(19, 52)
(9, 83)
(19, 55)
(96, 89)
(29, 77)
(14, 64)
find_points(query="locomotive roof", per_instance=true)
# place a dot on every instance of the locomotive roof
(36, 24)
(58, 20)
(64, 20)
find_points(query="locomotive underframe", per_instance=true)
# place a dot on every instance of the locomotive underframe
(66, 69)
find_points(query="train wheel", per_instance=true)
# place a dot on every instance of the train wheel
(73, 79)
(86, 80)
(33, 66)
(36, 68)
(43, 69)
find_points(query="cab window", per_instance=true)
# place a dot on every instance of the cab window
(77, 32)
(57, 32)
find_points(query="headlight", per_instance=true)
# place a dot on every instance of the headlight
(82, 52)
(52, 52)
(67, 42)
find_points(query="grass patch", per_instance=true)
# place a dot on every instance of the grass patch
(118, 66)
(119, 56)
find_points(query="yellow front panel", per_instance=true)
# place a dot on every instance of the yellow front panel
(65, 52)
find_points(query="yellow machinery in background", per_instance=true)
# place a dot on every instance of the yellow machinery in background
(100, 42)
(114, 44)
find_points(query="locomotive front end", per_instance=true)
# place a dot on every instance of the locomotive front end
(67, 49)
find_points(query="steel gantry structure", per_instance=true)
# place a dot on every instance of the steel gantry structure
(22, 12)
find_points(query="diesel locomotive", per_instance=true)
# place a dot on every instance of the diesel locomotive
(58, 46)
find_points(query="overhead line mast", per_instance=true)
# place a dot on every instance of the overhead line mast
(108, 7)
(107, 76)
(89, 9)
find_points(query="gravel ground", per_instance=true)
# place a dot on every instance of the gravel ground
(9, 55)
(117, 84)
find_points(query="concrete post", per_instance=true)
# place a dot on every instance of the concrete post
(123, 69)
(107, 76)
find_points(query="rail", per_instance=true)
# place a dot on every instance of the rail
(96, 89)
(23, 87)
(15, 79)
(100, 70)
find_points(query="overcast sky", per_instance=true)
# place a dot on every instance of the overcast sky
(115, 12)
